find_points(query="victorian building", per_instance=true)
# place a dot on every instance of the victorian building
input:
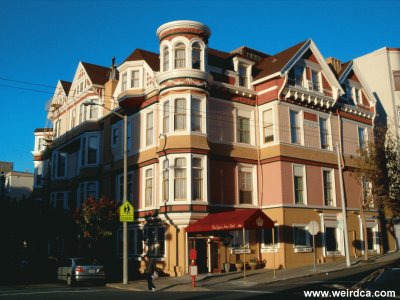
(212, 131)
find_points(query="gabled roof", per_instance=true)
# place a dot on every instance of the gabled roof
(277, 62)
(151, 58)
(97, 74)
(66, 85)
(346, 70)
(220, 59)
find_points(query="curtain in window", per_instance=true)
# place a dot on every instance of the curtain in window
(245, 186)
(166, 117)
(165, 185)
(180, 114)
(197, 177)
(180, 179)
(166, 59)
(196, 115)
(149, 187)
(180, 60)
(243, 130)
(149, 129)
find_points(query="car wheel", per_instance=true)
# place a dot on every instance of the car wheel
(70, 281)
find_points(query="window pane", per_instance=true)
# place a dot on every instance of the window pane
(196, 52)
(92, 150)
(328, 188)
(298, 190)
(135, 79)
(301, 237)
(149, 187)
(245, 187)
(268, 126)
(180, 179)
(331, 239)
(61, 164)
(243, 130)
(124, 81)
(396, 79)
(243, 76)
(294, 127)
(197, 177)
(315, 80)
(166, 117)
(149, 129)
(166, 59)
(180, 61)
(323, 128)
(196, 115)
(180, 114)
(165, 185)
(361, 137)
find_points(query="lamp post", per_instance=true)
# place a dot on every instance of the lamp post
(125, 196)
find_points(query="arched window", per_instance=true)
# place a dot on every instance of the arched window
(166, 59)
(180, 56)
(196, 56)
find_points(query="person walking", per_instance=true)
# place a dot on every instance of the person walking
(149, 271)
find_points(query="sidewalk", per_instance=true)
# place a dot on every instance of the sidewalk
(208, 282)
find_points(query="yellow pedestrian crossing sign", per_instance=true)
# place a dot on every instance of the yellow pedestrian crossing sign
(126, 212)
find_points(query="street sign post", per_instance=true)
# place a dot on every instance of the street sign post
(126, 212)
(313, 229)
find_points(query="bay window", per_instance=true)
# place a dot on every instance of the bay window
(180, 179)
(180, 56)
(180, 114)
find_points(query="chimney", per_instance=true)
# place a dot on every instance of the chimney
(335, 64)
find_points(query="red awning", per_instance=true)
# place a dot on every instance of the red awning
(232, 220)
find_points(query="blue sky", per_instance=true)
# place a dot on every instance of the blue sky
(43, 41)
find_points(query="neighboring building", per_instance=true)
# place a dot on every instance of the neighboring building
(212, 131)
(381, 70)
(5, 167)
(18, 185)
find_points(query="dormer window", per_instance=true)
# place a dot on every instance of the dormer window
(166, 59)
(124, 81)
(180, 56)
(315, 80)
(242, 74)
(135, 79)
(357, 96)
(196, 56)
(296, 75)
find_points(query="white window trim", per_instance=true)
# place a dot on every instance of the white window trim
(374, 224)
(119, 195)
(85, 184)
(304, 183)
(171, 182)
(202, 53)
(153, 187)
(308, 247)
(333, 177)
(86, 145)
(301, 126)
(254, 182)
(331, 221)
(329, 128)
(53, 196)
(265, 248)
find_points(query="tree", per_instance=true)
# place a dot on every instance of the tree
(97, 220)
(379, 175)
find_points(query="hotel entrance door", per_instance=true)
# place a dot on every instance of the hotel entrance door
(208, 257)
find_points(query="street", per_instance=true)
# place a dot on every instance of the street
(283, 289)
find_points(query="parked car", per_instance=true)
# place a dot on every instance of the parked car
(78, 270)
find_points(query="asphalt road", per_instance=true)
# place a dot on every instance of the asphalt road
(288, 289)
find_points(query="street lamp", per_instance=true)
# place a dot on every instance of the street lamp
(125, 196)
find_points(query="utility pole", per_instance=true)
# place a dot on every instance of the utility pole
(344, 211)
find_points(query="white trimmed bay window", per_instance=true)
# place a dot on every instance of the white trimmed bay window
(183, 177)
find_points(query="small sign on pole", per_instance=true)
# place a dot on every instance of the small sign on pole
(313, 229)
(126, 212)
